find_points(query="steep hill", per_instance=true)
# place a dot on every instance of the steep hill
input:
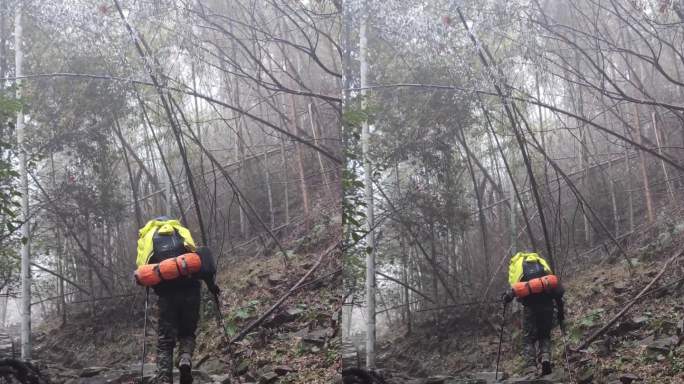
(644, 345)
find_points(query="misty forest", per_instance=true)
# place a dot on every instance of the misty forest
(356, 192)
(219, 118)
(479, 129)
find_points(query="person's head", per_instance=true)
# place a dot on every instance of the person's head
(162, 218)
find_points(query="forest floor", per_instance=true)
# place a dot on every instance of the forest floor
(644, 346)
(298, 343)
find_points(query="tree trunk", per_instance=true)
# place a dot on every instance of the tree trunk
(89, 252)
(25, 214)
(285, 179)
(134, 187)
(300, 163)
(405, 255)
(670, 191)
(318, 154)
(370, 219)
(60, 261)
(3, 308)
(269, 189)
(613, 201)
(642, 165)
(481, 216)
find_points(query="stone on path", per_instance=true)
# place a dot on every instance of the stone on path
(91, 371)
(586, 376)
(221, 379)
(628, 378)
(491, 377)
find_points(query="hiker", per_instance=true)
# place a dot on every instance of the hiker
(178, 299)
(538, 306)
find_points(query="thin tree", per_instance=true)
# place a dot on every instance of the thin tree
(368, 179)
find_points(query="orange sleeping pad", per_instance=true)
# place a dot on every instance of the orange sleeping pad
(147, 275)
(169, 269)
(538, 285)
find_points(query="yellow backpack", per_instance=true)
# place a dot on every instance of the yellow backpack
(515, 268)
(146, 238)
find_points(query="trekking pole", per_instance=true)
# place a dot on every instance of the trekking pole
(219, 315)
(498, 355)
(144, 347)
(565, 352)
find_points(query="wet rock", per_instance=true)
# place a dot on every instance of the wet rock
(525, 380)
(628, 378)
(557, 376)
(241, 368)
(250, 377)
(679, 228)
(268, 377)
(438, 379)
(315, 339)
(91, 371)
(664, 239)
(585, 376)
(619, 287)
(149, 368)
(646, 340)
(121, 376)
(603, 347)
(640, 320)
(198, 375)
(275, 279)
(490, 376)
(221, 379)
(662, 345)
(214, 366)
(288, 315)
(283, 370)
(629, 325)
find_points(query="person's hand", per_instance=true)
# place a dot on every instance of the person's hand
(507, 296)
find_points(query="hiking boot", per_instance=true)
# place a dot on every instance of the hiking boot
(185, 369)
(546, 367)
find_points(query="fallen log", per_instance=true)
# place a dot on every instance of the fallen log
(629, 305)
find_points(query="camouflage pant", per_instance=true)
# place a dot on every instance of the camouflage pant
(178, 317)
(537, 324)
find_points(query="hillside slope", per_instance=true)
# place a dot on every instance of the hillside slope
(644, 345)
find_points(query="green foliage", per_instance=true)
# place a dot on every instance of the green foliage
(592, 318)
(9, 194)
(353, 203)
(240, 315)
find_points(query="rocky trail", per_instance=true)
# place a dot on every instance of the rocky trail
(290, 334)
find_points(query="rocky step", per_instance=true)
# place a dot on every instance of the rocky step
(7, 346)
(130, 374)
(350, 355)
(485, 378)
